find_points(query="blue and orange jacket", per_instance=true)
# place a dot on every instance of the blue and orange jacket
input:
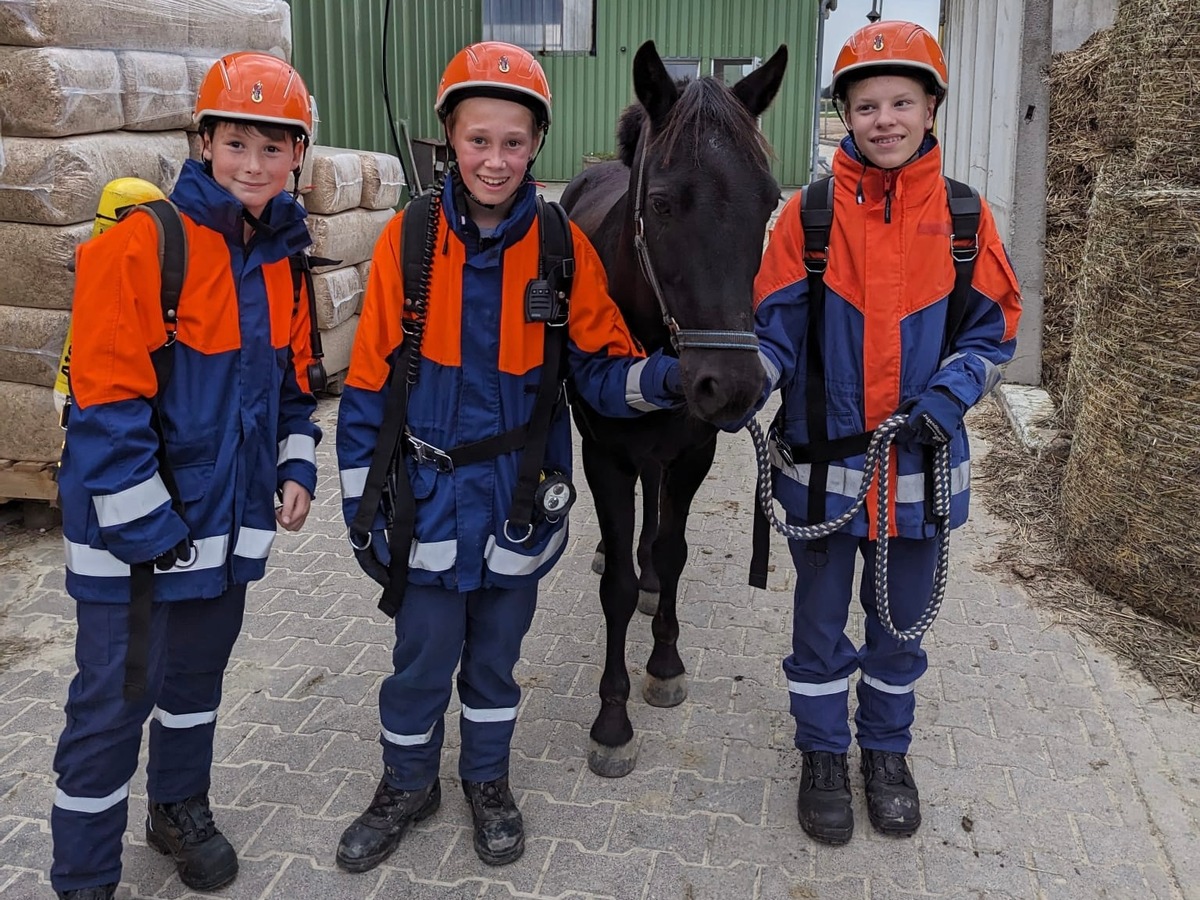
(479, 372)
(886, 297)
(236, 413)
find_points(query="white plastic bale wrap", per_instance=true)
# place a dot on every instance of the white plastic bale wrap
(30, 343)
(58, 181)
(34, 268)
(156, 94)
(337, 180)
(348, 237)
(383, 180)
(195, 26)
(338, 295)
(55, 91)
(337, 344)
(364, 274)
(30, 429)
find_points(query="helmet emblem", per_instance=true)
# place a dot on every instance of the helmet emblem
(503, 65)
(878, 42)
(256, 92)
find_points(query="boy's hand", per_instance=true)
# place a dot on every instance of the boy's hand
(934, 419)
(294, 506)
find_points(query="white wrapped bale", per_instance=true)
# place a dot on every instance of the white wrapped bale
(364, 274)
(34, 269)
(54, 92)
(337, 180)
(197, 68)
(58, 181)
(383, 180)
(348, 237)
(115, 24)
(215, 26)
(337, 343)
(30, 343)
(195, 146)
(30, 429)
(155, 91)
(338, 294)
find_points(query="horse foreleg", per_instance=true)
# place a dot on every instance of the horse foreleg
(613, 750)
(648, 583)
(666, 677)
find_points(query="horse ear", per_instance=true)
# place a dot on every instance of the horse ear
(652, 83)
(758, 89)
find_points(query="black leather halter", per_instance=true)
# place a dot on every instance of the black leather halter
(681, 338)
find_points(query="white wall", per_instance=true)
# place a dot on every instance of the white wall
(1077, 20)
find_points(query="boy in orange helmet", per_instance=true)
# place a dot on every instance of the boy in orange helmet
(881, 339)
(483, 358)
(179, 440)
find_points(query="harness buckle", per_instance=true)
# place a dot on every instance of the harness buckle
(965, 253)
(429, 455)
(817, 263)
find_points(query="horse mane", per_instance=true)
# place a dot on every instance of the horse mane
(703, 105)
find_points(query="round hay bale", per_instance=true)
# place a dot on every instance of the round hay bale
(1169, 93)
(1132, 482)
(1117, 123)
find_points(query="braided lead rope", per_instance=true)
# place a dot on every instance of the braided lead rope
(874, 461)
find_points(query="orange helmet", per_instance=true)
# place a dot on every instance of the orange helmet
(495, 69)
(255, 87)
(892, 44)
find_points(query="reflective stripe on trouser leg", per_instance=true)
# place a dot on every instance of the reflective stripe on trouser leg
(430, 628)
(822, 657)
(98, 750)
(200, 637)
(886, 702)
(497, 621)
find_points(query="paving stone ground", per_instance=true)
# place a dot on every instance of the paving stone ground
(1047, 771)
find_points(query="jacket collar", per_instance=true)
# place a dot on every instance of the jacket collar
(508, 232)
(910, 184)
(282, 231)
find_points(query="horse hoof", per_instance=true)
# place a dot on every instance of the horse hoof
(612, 762)
(598, 562)
(647, 602)
(665, 692)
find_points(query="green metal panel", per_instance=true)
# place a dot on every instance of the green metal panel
(338, 48)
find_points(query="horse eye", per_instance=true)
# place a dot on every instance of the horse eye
(660, 206)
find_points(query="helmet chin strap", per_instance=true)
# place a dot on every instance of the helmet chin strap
(461, 185)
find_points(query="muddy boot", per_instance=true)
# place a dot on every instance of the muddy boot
(892, 802)
(101, 892)
(371, 838)
(499, 829)
(185, 831)
(824, 800)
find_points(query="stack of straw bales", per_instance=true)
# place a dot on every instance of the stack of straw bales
(1132, 483)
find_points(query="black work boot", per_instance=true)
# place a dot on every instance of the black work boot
(892, 801)
(823, 804)
(185, 831)
(371, 838)
(100, 892)
(499, 829)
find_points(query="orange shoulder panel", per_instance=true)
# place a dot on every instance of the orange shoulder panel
(379, 332)
(783, 260)
(993, 276)
(596, 324)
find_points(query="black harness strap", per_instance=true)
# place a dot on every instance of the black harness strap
(965, 210)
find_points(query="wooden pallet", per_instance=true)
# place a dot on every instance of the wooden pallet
(28, 481)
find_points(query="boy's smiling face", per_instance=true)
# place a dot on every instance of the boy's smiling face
(889, 116)
(252, 165)
(493, 140)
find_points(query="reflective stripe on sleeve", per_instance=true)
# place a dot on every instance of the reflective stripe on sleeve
(132, 503)
(354, 482)
(301, 447)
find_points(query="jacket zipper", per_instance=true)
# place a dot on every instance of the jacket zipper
(888, 181)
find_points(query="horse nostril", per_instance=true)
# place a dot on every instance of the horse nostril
(706, 388)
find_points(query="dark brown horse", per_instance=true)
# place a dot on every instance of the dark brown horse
(679, 222)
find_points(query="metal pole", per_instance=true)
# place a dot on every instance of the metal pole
(876, 12)
(814, 159)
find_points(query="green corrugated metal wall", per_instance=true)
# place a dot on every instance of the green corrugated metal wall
(338, 48)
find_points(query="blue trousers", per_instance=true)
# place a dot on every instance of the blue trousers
(823, 658)
(190, 643)
(436, 630)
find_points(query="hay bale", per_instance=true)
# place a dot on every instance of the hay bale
(1119, 92)
(215, 27)
(337, 344)
(1132, 482)
(338, 295)
(348, 236)
(34, 268)
(383, 180)
(111, 24)
(364, 274)
(58, 181)
(31, 341)
(156, 93)
(1169, 94)
(54, 92)
(337, 181)
(30, 420)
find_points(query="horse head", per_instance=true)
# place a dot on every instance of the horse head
(700, 195)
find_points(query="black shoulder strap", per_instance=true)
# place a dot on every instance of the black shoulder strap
(965, 209)
(302, 283)
(558, 249)
(816, 218)
(413, 230)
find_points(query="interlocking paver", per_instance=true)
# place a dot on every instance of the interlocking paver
(1047, 769)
